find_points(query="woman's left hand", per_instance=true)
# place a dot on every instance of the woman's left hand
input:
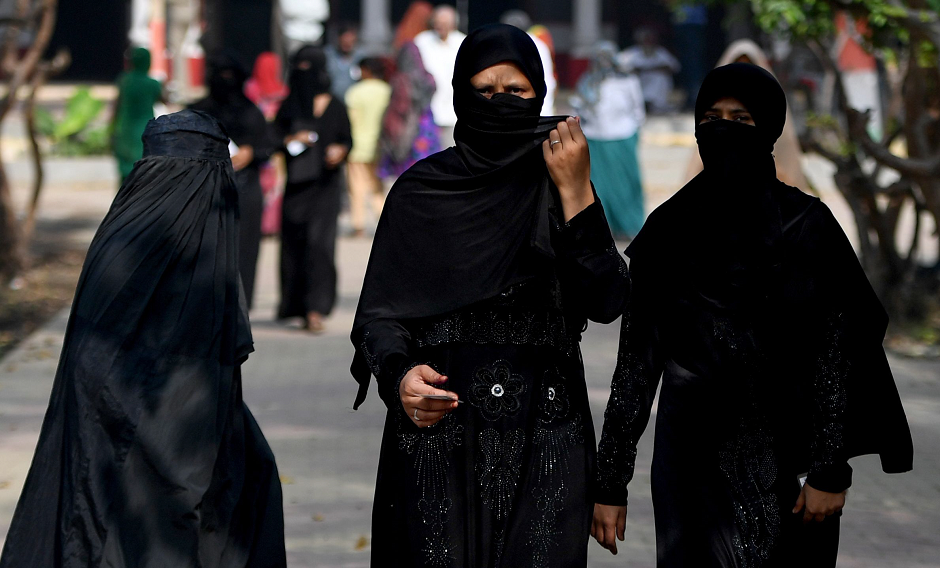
(569, 163)
(817, 505)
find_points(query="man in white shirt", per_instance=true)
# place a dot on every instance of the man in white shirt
(655, 67)
(438, 47)
(521, 20)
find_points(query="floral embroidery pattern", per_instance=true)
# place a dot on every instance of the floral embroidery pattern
(497, 391)
(431, 448)
(544, 533)
(438, 549)
(498, 470)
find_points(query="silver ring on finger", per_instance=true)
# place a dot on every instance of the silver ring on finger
(553, 142)
(416, 415)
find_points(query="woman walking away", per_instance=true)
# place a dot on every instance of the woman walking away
(137, 93)
(751, 305)
(147, 456)
(488, 261)
(408, 130)
(612, 110)
(316, 133)
(251, 147)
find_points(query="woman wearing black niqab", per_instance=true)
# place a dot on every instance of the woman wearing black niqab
(147, 456)
(488, 260)
(249, 131)
(750, 304)
(315, 129)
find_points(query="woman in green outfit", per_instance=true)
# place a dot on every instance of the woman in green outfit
(610, 103)
(137, 93)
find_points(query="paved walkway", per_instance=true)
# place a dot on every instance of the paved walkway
(300, 390)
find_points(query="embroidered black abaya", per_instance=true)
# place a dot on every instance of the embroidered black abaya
(751, 307)
(246, 126)
(313, 194)
(474, 272)
(147, 456)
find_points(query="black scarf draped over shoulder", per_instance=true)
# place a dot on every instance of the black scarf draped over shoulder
(464, 224)
(737, 243)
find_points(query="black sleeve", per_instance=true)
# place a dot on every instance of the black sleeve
(594, 275)
(830, 470)
(343, 130)
(382, 350)
(262, 138)
(632, 391)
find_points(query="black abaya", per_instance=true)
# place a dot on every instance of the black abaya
(313, 194)
(148, 456)
(246, 126)
(751, 308)
(474, 273)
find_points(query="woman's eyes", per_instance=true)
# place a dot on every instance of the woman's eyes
(742, 118)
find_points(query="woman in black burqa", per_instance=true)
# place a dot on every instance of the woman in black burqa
(315, 130)
(147, 455)
(750, 303)
(249, 131)
(488, 260)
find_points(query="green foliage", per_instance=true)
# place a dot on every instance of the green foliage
(76, 134)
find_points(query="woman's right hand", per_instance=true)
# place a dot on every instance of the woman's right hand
(424, 411)
(609, 525)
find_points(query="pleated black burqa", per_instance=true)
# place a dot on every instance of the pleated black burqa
(474, 272)
(147, 456)
(750, 308)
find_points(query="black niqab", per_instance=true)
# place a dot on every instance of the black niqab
(309, 77)
(464, 224)
(147, 450)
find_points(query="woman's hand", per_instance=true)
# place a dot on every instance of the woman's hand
(569, 163)
(305, 136)
(817, 505)
(609, 524)
(243, 158)
(424, 411)
(335, 154)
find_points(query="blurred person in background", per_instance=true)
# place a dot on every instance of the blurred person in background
(366, 102)
(408, 130)
(267, 90)
(610, 103)
(342, 59)
(148, 456)
(265, 87)
(137, 94)
(521, 20)
(414, 21)
(314, 127)
(251, 146)
(655, 67)
(787, 152)
(438, 47)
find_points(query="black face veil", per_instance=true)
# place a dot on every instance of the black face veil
(464, 224)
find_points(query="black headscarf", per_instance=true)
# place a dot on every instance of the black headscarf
(242, 120)
(737, 243)
(464, 224)
(309, 77)
(147, 445)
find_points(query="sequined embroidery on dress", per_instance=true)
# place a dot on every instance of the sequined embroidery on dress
(616, 453)
(498, 327)
(544, 534)
(498, 472)
(554, 434)
(497, 391)
(431, 448)
(829, 388)
(748, 460)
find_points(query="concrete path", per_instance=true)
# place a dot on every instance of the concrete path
(299, 388)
